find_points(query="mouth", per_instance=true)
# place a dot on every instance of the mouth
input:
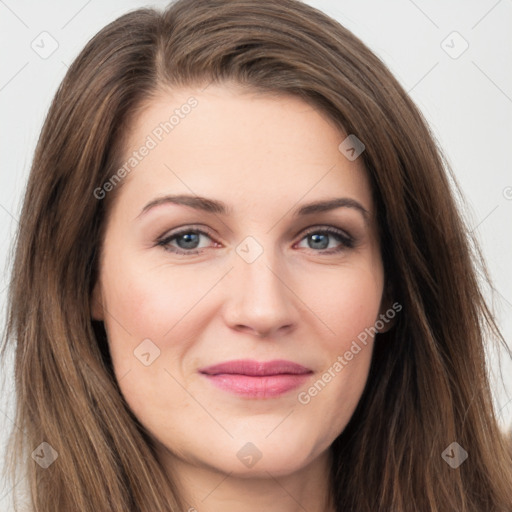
(254, 379)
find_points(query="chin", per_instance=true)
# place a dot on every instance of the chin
(252, 460)
(270, 464)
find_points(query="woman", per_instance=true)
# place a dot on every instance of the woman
(248, 284)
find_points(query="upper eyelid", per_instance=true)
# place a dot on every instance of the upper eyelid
(324, 227)
(185, 229)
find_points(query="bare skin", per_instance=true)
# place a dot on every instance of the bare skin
(304, 298)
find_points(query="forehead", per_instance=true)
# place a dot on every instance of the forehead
(228, 142)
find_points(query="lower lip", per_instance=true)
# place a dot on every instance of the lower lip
(269, 386)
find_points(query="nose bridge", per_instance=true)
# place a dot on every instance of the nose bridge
(260, 297)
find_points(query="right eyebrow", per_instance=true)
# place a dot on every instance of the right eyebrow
(197, 202)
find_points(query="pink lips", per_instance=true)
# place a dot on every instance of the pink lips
(255, 379)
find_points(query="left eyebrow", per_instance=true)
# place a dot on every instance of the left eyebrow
(332, 204)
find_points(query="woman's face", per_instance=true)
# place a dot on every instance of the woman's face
(242, 267)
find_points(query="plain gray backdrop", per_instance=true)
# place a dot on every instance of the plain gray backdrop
(454, 58)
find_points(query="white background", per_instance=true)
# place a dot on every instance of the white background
(467, 101)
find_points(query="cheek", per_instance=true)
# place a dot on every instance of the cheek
(154, 316)
(346, 301)
(349, 304)
(152, 302)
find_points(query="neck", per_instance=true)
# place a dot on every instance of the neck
(206, 489)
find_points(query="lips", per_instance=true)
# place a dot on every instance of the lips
(254, 379)
(255, 368)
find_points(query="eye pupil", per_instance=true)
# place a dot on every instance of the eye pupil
(191, 240)
(316, 238)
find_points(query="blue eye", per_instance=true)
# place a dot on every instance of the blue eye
(187, 241)
(318, 238)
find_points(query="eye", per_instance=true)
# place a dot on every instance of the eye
(319, 239)
(187, 241)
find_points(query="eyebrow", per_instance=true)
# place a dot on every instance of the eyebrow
(220, 208)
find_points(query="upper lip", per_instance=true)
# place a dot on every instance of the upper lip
(256, 368)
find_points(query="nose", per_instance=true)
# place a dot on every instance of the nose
(261, 299)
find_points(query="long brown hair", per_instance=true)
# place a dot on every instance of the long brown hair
(428, 384)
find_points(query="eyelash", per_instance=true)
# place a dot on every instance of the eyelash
(347, 242)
